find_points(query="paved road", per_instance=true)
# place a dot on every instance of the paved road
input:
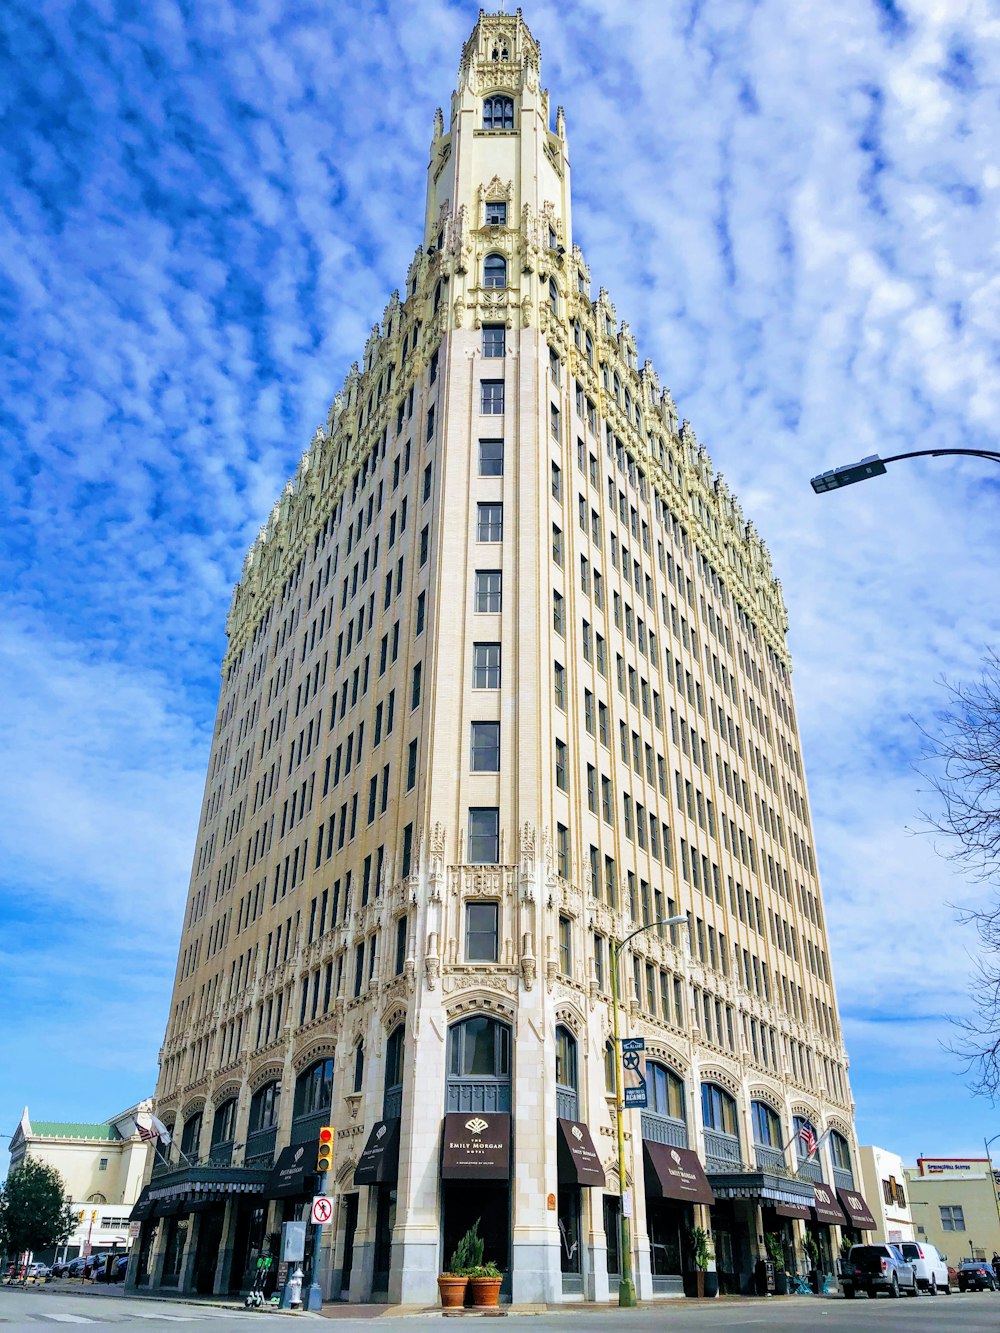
(35, 1308)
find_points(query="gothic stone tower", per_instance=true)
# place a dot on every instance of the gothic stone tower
(507, 679)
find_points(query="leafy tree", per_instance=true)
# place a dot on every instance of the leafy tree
(962, 762)
(34, 1214)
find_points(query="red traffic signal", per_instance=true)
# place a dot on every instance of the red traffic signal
(324, 1158)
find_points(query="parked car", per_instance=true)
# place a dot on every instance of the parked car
(38, 1272)
(875, 1268)
(976, 1275)
(932, 1271)
(76, 1266)
(61, 1267)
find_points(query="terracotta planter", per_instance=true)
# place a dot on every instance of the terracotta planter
(451, 1289)
(484, 1290)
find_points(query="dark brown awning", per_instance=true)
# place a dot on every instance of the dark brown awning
(675, 1173)
(379, 1162)
(167, 1208)
(578, 1161)
(142, 1208)
(476, 1146)
(857, 1210)
(294, 1173)
(827, 1209)
(794, 1210)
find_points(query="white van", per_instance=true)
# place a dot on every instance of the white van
(932, 1271)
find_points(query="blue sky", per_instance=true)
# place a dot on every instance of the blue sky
(205, 209)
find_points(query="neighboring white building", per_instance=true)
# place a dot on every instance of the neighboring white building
(102, 1166)
(882, 1174)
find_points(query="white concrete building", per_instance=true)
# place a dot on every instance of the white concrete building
(884, 1183)
(507, 679)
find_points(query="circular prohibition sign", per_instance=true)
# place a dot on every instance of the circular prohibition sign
(322, 1210)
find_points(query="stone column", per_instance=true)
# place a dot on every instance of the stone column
(224, 1264)
(159, 1254)
(186, 1280)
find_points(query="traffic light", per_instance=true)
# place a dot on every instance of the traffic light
(324, 1160)
(80, 1215)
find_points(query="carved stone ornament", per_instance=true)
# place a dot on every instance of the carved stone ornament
(529, 970)
(432, 970)
(435, 842)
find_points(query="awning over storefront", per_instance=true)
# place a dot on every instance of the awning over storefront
(167, 1207)
(826, 1208)
(142, 1208)
(766, 1187)
(675, 1173)
(476, 1147)
(857, 1210)
(799, 1211)
(293, 1173)
(578, 1161)
(379, 1163)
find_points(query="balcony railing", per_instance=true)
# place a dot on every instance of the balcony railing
(260, 1147)
(306, 1128)
(843, 1179)
(221, 1154)
(664, 1129)
(392, 1103)
(769, 1159)
(567, 1104)
(478, 1094)
(809, 1171)
(722, 1151)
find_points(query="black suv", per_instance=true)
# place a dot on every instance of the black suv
(875, 1268)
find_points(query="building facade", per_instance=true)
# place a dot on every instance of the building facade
(884, 1184)
(507, 679)
(102, 1166)
(954, 1204)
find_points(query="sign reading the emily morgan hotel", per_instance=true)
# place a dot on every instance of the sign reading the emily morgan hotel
(476, 1146)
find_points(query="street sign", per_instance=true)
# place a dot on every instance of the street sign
(634, 1070)
(322, 1210)
(134, 1228)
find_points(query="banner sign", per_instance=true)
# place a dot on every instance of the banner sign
(634, 1070)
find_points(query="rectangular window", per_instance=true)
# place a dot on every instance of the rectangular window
(952, 1217)
(496, 213)
(491, 402)
(489, 522)
(491, 458)
(411, 766)
(407, 857)
(484, 835)
(400, 945)
(485, 747)
(555, 425)
(489, 584)
(565, 945)
(425, 544)
(562, 850)
(557, 612)
(415, 687)
(482, 930)
(559, 685)
(494, 339)
(421, 611)
(562, 782)
(557, 546)
(556, 482)
(485, 666)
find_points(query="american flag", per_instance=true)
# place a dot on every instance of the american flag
(150, 1128)
(807, 1137)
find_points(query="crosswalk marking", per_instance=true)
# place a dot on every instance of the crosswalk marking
(68, 1318)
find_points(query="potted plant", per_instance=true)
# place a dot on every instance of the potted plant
(845, 1253)
(776, 1253)
(811, 1250)
(484, 1284)
(454, 1280)
(701, 1254)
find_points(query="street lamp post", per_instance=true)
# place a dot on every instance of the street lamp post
(873, 466)
(626, 1283)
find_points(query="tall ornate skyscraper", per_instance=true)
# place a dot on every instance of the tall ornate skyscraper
(507, 680)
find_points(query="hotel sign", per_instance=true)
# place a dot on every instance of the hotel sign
(476, 1146)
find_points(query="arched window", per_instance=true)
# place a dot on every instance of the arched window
(314, 1089)
(498, 113)
(96, 1198)
(190, 1136)
(567, 1100)
(840, 1151)
(224, 1122)
(359, 1066)
(722, 1134)
(494, 271)
(392, 1101)
(664, 1091)
(766, 1135)
(479, 1065)
(264, 1107)
(805, 1137)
